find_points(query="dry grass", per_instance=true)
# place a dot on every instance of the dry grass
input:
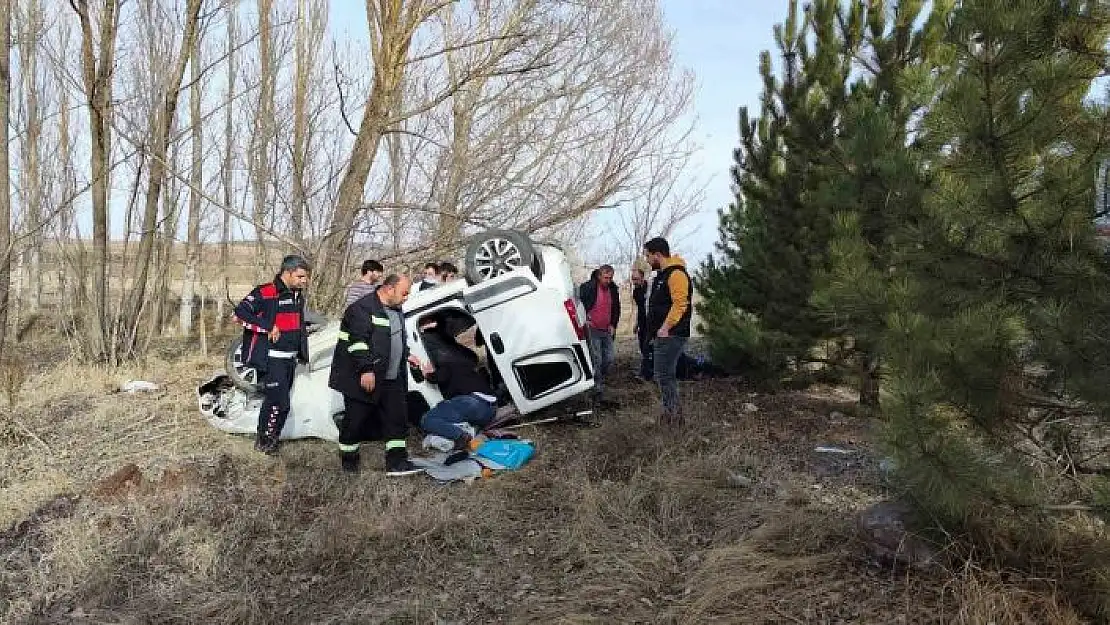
(131, 509)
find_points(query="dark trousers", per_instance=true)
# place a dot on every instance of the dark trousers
(647, 356)
(384, 417)
(277, 381)
(667, 353)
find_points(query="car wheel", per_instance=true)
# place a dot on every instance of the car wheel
(495, 252)
(242, 375)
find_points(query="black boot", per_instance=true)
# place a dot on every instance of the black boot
(349, 460)
(268, 445)
(397, 463)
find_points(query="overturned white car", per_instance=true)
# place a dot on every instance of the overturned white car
(518, 295)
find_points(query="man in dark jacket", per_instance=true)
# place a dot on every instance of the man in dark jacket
(468, 396)
(670, 308)
(602, 302)
(274, 341)
(643, 338)
(368, 368)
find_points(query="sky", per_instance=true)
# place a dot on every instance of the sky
(720, 40)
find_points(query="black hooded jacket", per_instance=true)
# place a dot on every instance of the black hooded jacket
(456, 366)
(588, 294)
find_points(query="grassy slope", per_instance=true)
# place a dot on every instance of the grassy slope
(624, 523)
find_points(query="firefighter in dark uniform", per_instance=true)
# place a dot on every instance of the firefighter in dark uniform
(369, 370)
(274, 341)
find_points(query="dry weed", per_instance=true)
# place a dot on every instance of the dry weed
(625, 523)
(984, 598)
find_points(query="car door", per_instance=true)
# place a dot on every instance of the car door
(535, 337)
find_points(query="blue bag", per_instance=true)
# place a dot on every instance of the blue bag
(511, 454)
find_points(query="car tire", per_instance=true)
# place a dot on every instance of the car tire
(494, 252)
(244, 377)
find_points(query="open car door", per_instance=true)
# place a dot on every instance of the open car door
(535, 338)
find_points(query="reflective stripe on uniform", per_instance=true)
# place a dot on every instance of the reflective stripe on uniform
(358, 347)
(380, 321)
(348, 448)
(343, 336)
(395, 444)
(274, 353)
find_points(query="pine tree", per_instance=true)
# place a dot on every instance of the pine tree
(1001, 305)
(871, 180)
(757, 313)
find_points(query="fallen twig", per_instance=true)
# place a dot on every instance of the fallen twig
(30, 434)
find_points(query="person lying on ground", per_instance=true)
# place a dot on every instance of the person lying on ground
(468, 396)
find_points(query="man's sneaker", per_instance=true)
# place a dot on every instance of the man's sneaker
(267, 445)
(397, 463)
(349, 460)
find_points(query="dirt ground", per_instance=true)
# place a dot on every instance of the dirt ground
(118, 508)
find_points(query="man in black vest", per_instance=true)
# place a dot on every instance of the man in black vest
(368, 368)
(274, 341)
(669, 311)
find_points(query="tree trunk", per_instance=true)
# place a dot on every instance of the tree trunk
(192, 244)
(66, 213)
(30, 168)
(228, 161)
(300, 102)
(5, 183)
(262, 136)
(157, 173)
(97, 66)
(869, 381)
(392, 26)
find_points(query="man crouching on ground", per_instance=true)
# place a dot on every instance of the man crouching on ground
(368, 368)
(274, 340)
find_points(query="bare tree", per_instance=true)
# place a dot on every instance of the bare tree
(261, 140)
(393, 26)
(532, 114)
(31, 174)
(63, 194)
(196, 181)
(227, 164)
(97, 62)
(5, 183)
(310, 32)
(541, 149)
(162, 129)
(668, 196)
